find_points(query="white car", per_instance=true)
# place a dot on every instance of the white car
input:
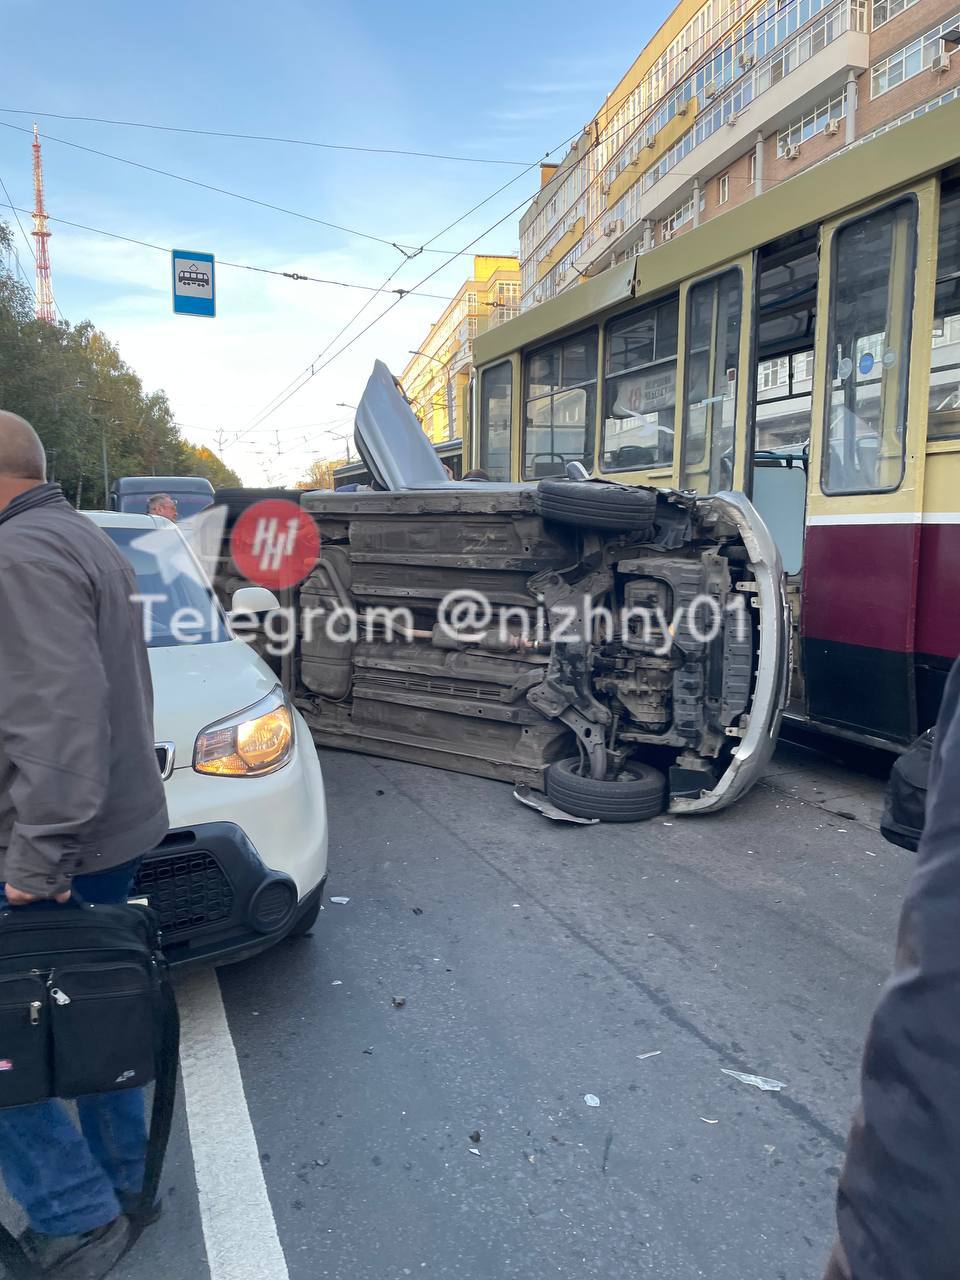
(245, 860)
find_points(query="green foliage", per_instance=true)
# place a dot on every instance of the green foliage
(72, 385)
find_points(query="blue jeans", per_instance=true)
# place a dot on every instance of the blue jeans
(67, 1179)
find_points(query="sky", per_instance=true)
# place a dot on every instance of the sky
(496, 82)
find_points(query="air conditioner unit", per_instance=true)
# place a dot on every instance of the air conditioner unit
(538, 295)
(650, 141)
(941, 63)
(614, 227)
(791, 152)
(733, 119)
(832, 127)
(682, 108)
(710, 89)
(668, 234)
(746, 61)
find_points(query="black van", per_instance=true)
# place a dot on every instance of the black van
(132, 493)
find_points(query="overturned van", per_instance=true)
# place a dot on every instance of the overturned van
(623, 649)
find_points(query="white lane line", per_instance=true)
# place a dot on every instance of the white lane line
(238, 1224)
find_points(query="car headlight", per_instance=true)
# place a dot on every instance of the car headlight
(249, 744)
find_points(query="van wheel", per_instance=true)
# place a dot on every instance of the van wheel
(592, 504)
(636, 795)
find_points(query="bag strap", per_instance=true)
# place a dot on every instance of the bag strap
(164, 1101)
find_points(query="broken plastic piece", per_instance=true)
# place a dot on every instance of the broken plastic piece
(706, 1121)
(341, 902)
(652, 1054)
(591, 1100)
(758, 1082)
(534, 800)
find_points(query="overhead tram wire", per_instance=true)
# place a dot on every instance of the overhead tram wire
(223, 262)
(262, 137)
(405, 250)
(311, 370)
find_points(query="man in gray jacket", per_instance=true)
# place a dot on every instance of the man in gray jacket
(81, 801)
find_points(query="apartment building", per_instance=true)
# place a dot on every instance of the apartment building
(437, 378)
(729, 99)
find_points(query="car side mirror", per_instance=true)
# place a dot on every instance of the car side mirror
(253, 600)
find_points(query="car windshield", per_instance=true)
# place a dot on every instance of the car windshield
(179, 606)
(188, 504)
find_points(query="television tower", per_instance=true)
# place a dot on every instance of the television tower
(41, 234)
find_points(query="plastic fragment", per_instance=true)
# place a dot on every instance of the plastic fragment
(474, 1137)
(336, 983)
(652, 1054)
(341, 902)
(474, 1151)
(399, 1001)
(706, 1121)
(591, 1100)
(758, 1082)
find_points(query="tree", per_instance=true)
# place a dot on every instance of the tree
(71, 383)
(320, 474)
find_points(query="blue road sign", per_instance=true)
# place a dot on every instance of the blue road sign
(194, 286)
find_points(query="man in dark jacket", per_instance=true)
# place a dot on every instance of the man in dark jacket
(898, 1208)
(81, 801)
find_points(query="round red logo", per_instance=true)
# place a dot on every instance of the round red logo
(275, 544)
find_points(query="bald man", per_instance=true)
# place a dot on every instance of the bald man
(81, 801)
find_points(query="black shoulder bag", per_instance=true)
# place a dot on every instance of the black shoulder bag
(86, 1007)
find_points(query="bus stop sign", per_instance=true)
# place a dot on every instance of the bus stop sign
(194, 287)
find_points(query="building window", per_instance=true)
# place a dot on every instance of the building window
(911, 59)
(873, 264)
(884, 10)
(560, 406)
(812, 123)
(723, 188)
(944, 421)
(640, 388)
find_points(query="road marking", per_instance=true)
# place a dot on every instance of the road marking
(238, 1224)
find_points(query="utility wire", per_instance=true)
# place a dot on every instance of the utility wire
(406, 250)
(260, 137)
(222, 262)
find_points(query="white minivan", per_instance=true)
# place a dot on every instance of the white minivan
(245, 861)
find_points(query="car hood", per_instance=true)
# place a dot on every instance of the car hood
(195, 685)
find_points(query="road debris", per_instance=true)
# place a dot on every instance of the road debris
(591, 1100)
(398, 1002)
(474, 1137)
(341, 902)
(474, 1151)
(706, 1121)
(337, 982)
(533, 800)
(368, 1052)
(654, 1053)
(758, 1082)
(417, 911)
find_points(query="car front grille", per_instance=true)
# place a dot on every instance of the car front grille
(187, 890)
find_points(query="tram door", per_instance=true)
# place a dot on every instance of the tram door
(785, 312)
(867, 461)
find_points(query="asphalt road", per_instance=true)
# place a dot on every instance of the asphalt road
(540, 963)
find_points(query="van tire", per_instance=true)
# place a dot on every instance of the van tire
(592, 504)
(638, 794)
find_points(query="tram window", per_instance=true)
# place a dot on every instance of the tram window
(869, 346)
(710, 393)
(496, 405)
(561, 406)
(944, 418)
(640, 388)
